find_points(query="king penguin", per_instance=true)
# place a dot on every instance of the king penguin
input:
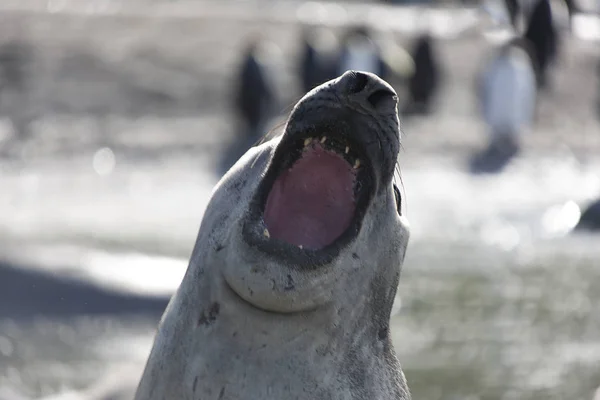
(507, 98)
(255, 98)
(425, 79)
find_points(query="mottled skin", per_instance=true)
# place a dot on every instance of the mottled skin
(252, 320)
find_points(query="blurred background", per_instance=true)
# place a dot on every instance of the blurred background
(119, 116)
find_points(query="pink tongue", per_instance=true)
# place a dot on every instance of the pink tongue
(312, 204)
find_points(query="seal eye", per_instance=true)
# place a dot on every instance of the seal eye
(398, 200)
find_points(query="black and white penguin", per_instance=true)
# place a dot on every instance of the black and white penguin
(543, 36)
(255, 97)
(425, 79)
(318, 61)
(517, 14)
(590, 218)
(361, 53)
(255, 100)
(507, 98)
(563, 11)
(15, 64)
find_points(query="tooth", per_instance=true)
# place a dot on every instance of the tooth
(347, 149)
(307, 141)
(266, 233)
(323, 139)
(356, 163)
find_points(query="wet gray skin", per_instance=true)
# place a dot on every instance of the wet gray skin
(256, 317)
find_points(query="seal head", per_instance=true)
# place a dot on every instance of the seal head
(291, 283)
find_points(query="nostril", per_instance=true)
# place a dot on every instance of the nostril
(358, 82)
(381, 98)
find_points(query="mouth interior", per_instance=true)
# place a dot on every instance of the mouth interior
(312, 202)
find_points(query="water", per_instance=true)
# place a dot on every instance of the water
(497, 298)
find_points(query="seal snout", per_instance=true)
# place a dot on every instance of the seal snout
(337, 153)
(367, 90)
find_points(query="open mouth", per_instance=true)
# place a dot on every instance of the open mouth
(315, 193)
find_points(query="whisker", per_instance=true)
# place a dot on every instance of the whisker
(272, 133)
(400, 183)
(287, 109)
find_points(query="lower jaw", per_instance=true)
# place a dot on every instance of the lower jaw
(272, 286)
(292, 256)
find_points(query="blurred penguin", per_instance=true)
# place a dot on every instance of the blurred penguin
(425, 80)
(503, 13)
(318, 62)
(255, 99)
(572, 8)
(15, 64)
(512, 8)
(519, 12)
(507, 96)
(563, 11)
(361, 53)
(543, 36)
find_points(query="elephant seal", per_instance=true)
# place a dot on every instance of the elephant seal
(290, 285)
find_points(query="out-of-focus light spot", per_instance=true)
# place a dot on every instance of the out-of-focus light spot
(586, 27)
(104, 161)
(399, 60)
(498, 36)
(559, 220)
(441, 24)
(6, 347)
